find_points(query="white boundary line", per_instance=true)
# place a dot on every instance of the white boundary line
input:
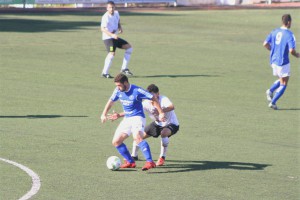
(36, 182)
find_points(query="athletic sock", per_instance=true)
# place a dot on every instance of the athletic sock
(275, 85)
(135, 149)
(126, 58)
(278, 93)
(164, 146)
(107, 63)
(122, 149)
(145, 148)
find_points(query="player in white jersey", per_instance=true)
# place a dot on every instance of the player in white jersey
(158, 128)
(280, 42)
(131, 97)
(111, 27)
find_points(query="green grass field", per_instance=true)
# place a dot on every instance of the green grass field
(211, 64)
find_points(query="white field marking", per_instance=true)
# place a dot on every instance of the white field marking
(36, 182)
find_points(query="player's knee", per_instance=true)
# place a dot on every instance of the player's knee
(129, 50)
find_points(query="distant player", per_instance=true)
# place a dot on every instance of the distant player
(110, 27)
(131, 97)
(280, 42)
(158, 128)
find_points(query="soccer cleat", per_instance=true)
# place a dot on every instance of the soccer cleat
(135, 157)
(149, 165)
(160, 161)
(127, 164)
(269, 95)
(107, 76)
(127, 72)
(273, 106)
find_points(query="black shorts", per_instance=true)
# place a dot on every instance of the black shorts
(112, 44)
(154, 130)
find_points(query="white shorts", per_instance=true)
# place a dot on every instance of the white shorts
(281, 71)
(131, 125)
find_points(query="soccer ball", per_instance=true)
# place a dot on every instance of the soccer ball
(113, 163)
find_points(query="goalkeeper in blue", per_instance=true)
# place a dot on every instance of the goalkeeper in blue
(280, 42)
(131, 97)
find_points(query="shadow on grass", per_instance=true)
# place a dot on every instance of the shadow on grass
(40, 116)
(35, 25)
(175, 76)
(175, 166)
(285, 109)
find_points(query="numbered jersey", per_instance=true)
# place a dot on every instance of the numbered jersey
(281, 41)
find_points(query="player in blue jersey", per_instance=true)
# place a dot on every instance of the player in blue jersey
(280, 42)
(131, 97)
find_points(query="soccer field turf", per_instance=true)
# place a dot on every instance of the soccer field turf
(211, 64)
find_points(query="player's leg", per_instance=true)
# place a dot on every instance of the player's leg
(279, 92)
(123, 44)
(122, 133)
(283, 73)
(135, 148)
(166, 133)
(109, 58)
(272, 89)
(137, 133)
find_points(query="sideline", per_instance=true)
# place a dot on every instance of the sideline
(36, 182)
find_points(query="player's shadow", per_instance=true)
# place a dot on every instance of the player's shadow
(175, 166)
(38, 116)
(287, 109)
(175, 76)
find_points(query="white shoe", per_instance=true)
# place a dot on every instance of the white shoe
(269, 95)
(273, 106)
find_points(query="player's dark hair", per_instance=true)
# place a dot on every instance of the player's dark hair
(286, 19)
(153, 88)
(121, 78)
(111, 3)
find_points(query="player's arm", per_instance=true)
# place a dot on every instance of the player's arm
(169, 108)
(104, 29)
(267, 45)
(120, 27)
(295, 53)
(159, 109)
(107, 107)
(114, 116)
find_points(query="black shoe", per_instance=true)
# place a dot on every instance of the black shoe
(127, 72)
(135, 157)
(107, 76)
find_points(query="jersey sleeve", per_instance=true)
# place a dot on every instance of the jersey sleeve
(165, 102)
(114, 96)
(292, 42)
(104, 21)
(143, 94)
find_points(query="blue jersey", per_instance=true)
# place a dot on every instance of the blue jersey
(131, 100)
(281, 41)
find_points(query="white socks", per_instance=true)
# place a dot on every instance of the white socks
(107, 63)
(126, 58)
(164, 146)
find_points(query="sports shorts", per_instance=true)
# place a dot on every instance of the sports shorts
(281, 71)
(131, 125)
(154, 130)
(112, 44)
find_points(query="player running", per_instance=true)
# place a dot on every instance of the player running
(280, 42)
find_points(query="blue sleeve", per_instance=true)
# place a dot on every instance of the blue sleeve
(115, 96)
(292, 42)
(143, 94)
